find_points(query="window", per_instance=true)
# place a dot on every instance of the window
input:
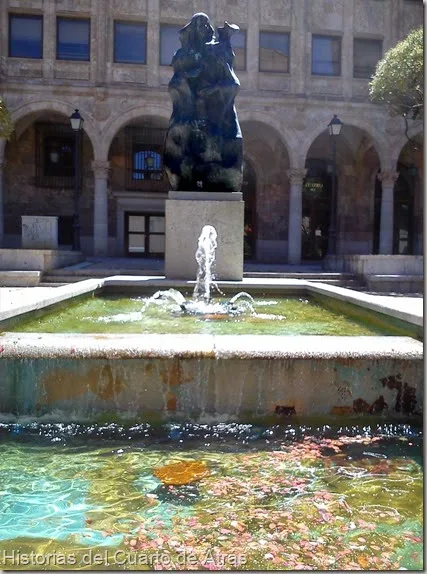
(273, 52)
(25, 36)
(366, 55)
(130, 42)
(72, 39)
(238, 43)
(145, 234)
(58, 156)
(326, 56)
(146, 163)
(169, 43)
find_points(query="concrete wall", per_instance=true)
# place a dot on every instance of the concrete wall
(164, 377)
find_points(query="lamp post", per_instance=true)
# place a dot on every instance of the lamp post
(76, 121)
(334, 127)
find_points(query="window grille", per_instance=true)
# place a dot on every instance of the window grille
(55, 149)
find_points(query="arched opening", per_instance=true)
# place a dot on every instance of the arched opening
(139, 187)
(267, 190)
(356, 158)
(39, 178)
(408, 200)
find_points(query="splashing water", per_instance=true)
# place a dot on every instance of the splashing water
(205, 257)
(201, 303)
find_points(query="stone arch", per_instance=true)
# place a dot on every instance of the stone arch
(380, 142)
(37, 123)
(408, 195)
(351, 184)
(120, 120)
(415, 132)
(277, 125)
(18, 114)
(264, 147)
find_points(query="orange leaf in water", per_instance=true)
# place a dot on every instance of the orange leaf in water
(179, 473)
(363, 561)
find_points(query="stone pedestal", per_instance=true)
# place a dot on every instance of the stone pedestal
(39, 232)
(186, 215)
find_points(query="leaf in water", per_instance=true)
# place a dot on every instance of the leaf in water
(363, 561)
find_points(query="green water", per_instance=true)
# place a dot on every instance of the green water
(288, 316)
(281, 497)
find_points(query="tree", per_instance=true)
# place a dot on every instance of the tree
(399, 78)
(6, 124)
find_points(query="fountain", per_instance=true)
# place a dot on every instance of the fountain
(113, 453)
(211, 450)
(201, 303)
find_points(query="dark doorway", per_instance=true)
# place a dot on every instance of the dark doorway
(65, 230)
(403, 225)
(377, 215)
(316, 209)
(249, 197)
(145, 234)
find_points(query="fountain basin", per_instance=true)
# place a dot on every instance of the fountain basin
(73, 377)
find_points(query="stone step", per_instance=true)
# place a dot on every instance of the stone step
(308, 276)
(20, 278)
(64, 279)
(64, 271)
(52, 280)
(94, 273)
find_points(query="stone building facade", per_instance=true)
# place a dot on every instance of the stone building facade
(299, 62)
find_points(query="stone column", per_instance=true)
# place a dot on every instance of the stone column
(296, 177)
(100, 214)
(388, 179)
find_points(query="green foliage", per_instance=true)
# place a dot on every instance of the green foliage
(399, 78)
(6, 124)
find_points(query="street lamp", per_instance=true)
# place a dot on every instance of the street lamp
(334, 127)
(76, 121)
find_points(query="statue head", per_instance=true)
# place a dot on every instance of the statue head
(197, 32)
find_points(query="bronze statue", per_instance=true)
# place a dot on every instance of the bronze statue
(204, 147)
